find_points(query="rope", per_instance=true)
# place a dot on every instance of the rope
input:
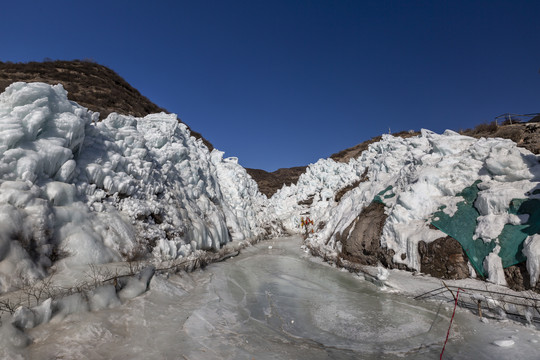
(452, 319)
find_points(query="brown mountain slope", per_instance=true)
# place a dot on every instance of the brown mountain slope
(91, 85)
(270, 182)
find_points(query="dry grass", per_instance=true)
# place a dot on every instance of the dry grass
(270, 182)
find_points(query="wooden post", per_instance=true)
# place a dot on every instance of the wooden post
(451, 292)
(480, 308)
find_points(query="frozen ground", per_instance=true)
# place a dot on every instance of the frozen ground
(275, 302)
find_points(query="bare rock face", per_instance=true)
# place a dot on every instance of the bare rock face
(517, 277)
(443, 258)
(362, 245)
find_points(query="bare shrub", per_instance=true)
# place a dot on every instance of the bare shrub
(31, 293)
(488, 128)
(510, 122)
(97, 275)
(134, 267)
(59, 252)
(138, 253)
(9, 306)
(513, 133)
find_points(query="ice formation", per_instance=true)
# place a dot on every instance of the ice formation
(80, 191)
(531, 249)
(77, 191)
(416, 177)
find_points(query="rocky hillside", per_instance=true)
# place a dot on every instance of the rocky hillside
(526, 135)
(91, 85)
(270, 182)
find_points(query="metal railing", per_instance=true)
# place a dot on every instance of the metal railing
(490, 303)
(516, 118)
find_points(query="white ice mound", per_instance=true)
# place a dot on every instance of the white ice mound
(136, 285)
(40, 131)
(249, 213)
(94, 192)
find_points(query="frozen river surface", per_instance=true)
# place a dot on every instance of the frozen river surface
(275, 303)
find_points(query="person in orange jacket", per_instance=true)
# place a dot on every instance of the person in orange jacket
(305, 223)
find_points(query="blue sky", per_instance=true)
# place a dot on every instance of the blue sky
(284, 83)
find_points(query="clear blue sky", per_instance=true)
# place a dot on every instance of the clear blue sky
(283, 83)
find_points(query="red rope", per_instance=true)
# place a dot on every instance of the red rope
(452, 319)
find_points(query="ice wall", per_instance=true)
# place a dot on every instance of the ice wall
(314, 192)
(78, 191)
(248, 212)
(414, 178)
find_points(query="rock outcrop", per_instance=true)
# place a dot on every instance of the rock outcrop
(443, 258)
